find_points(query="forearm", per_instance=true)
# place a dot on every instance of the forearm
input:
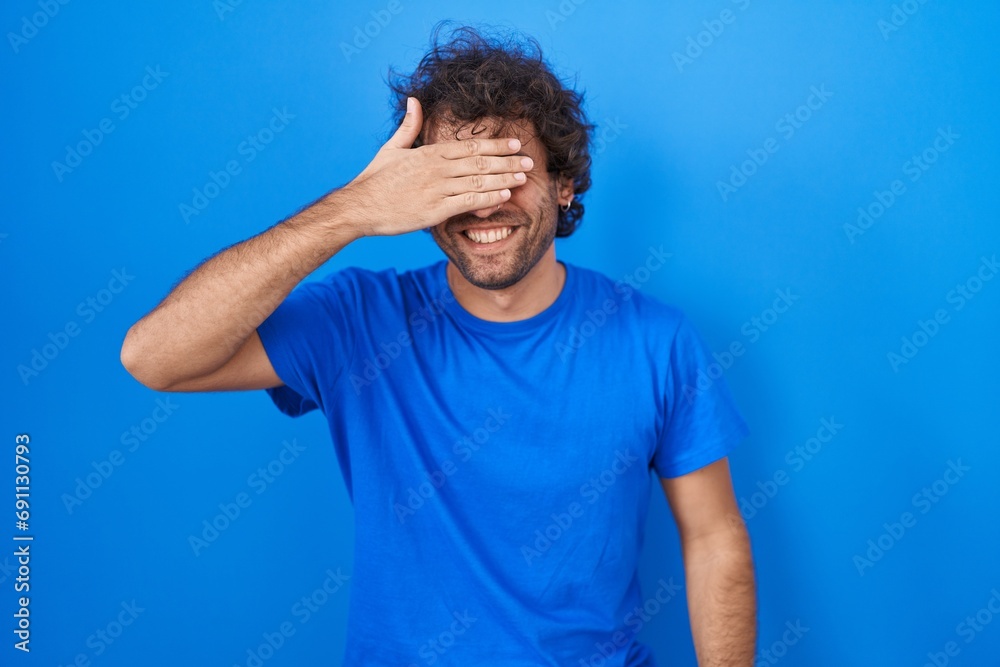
(205, 319)
(721, 597)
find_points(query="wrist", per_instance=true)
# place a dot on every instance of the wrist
(345, 214)
(330, 219)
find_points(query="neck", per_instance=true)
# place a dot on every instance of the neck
(535, 292)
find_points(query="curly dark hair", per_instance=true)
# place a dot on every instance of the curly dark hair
(475, 75)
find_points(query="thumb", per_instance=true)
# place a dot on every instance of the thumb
(408, 130)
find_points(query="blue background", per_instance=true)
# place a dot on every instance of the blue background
(672, 130)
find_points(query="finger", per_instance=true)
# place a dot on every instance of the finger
(454, 150)
(473, 201)
(409, 129)
(488, 164)
(483, 183)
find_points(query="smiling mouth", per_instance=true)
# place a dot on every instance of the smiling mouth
(488, 236)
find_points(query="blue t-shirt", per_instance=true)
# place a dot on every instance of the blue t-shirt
(500, 472)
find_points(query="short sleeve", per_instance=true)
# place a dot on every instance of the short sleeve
(701, 422)
(309, 339)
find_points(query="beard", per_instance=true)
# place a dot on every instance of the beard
(528, 243)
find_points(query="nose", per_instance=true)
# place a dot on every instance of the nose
(486, 212)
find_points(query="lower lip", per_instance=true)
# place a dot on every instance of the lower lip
(489, 247)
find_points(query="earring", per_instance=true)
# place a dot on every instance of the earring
(565, 209)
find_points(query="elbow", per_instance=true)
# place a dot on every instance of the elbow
(136, 363)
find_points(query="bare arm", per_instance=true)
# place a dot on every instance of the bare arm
(212, 316)
(203, 335)
(718, 565)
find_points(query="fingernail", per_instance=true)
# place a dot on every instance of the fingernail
(505, 193)
(514, 144)
(519, 176)
(527, 162)
(410, 103)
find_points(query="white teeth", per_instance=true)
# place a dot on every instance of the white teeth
(488, 236)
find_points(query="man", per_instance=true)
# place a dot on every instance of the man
(498, 415)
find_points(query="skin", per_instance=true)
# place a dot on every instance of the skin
(519, 276)
(718, 565)
(203, 335)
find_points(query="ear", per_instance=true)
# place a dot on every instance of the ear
(564, 190)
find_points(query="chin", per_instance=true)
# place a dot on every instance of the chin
(492, 273)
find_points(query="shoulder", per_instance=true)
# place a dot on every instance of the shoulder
(355, 276)
(653, 315)
(372, 298)
(362, 281)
